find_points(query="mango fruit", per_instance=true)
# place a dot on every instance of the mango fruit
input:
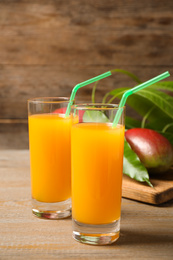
(153, 149)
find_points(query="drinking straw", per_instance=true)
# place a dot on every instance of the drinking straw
(134, 90)
(82, 84)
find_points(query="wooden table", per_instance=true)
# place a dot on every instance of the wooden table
(146, 231)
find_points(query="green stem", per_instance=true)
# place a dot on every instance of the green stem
(110, 100)
(131, 75)
(145, 117)
(93, 92)
(115, 96)
(166, 127)
(105, 97)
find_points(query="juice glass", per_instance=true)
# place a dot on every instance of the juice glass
(50, 157)
(97, 166)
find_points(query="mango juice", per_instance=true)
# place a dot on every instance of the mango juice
(97, 166)
(50, 157)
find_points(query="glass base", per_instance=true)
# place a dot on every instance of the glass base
(55, 210)
(96, 234)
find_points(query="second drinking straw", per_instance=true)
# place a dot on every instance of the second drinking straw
(82, 84)
(133, 90)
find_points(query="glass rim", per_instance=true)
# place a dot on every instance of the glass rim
(99, 106)
(49, 100)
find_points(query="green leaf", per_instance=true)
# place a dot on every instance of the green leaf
(132, 123)
(161, 100)
(165, 85)
(143, 101)
(117, 93)
(95, 116)
(159, 123)
(133, 167)
(139, 103)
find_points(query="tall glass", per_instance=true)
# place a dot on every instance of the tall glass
(97, 167)
(50, 157)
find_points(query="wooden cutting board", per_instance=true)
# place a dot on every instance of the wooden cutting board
(161, 192)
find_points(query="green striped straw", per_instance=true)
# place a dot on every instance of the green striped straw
(134, 90)
(82, 84)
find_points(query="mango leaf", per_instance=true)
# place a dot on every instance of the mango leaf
(139, 103)
(142, 106)
(143, 101)
(165, 85)
(159, 99)
(160, 117)
(95, 116)
(160, 122)
(118, 92)
(133, 167)
(115, 93)
(132, 123)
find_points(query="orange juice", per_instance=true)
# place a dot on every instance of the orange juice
(97, 165)
(50, 157)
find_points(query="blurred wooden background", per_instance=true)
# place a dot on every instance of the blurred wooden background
(48, 46)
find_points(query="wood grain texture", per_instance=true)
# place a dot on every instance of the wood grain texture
(86, 33)
(14, 136)
(46, 47)
(162, 190)
(28, 82)
(146, 231)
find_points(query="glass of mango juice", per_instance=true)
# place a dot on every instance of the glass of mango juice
(50, 157)
(97, 166)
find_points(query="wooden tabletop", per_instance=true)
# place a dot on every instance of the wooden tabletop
(146, 230)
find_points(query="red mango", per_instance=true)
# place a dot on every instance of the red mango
(153, 149)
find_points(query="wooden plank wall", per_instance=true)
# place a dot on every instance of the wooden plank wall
(48, 46)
